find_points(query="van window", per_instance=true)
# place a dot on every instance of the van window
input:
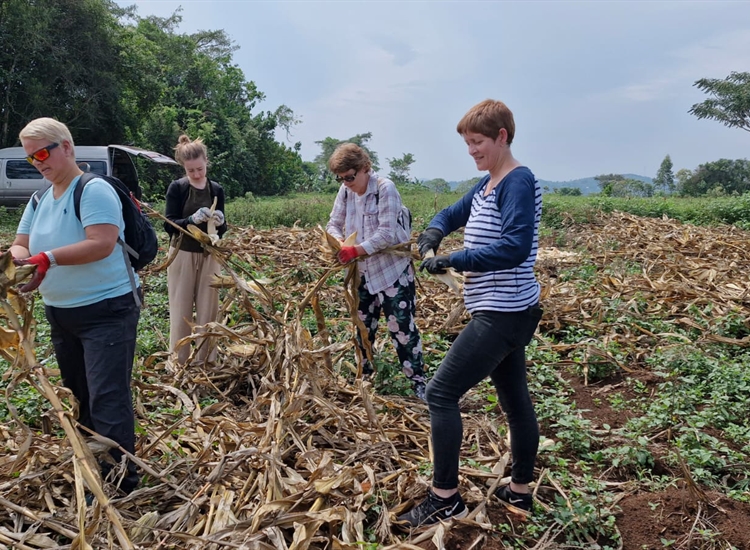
(124, 169)
(97, 166)
(21, 170)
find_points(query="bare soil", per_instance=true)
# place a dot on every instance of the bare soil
(271, 448)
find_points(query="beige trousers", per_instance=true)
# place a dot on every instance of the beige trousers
(188, 284)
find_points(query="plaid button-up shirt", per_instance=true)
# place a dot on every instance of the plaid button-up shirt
(374, 216)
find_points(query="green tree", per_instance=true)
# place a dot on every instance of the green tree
(60, 58)
(438, 185)
(568, 191)
(721, 177)
(196, 89)
(632, 188)
(664, 179)
(617, 185)
(730, 101)
(329, 144)
(465, 186)
(607, 181)
(400, 169)
(114, 77)
(682, 176)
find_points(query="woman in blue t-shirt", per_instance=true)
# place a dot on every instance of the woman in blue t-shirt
(501, 219)
(85, 283)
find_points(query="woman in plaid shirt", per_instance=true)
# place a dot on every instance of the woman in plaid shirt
(371, 206)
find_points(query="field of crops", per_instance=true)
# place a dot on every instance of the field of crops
(640, 374)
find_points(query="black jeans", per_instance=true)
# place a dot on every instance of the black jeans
(95, 347)
(492, 344)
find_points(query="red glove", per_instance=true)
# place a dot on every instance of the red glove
(41, 261)
(347, 254)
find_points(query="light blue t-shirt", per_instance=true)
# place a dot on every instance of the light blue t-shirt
(54, 224)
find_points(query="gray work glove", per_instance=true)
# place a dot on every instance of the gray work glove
(218, 217)
(200, 216)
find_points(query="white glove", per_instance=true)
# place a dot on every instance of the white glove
(218, 217)
(201, 215)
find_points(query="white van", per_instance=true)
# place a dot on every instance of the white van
(19, 179)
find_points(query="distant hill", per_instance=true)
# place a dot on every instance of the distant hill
(586, 185)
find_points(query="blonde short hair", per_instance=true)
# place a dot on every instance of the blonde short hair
(487, 118)
(46, 128)
(188, 149)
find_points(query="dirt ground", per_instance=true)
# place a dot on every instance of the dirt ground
(652, 520)
(262, 451)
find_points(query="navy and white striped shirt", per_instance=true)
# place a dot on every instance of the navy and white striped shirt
(501, 240)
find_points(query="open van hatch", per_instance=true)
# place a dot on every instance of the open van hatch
(121, 161)
(150, 155)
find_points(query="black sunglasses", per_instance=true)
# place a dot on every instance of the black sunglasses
(42, 154)
(347, 179)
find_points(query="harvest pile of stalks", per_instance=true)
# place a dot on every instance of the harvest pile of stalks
(280, 445)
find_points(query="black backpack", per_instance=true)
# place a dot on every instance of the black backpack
(140, 245)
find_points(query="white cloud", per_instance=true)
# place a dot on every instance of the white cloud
(596, 87)
(713, 57)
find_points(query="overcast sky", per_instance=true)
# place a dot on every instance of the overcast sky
(595, 86)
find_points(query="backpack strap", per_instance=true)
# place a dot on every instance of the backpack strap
(400, 219)
(37, 196)
(126, 249)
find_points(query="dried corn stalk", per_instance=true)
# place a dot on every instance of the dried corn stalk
(17, 312)
(255, 436)
(213, 234)
(331, 247)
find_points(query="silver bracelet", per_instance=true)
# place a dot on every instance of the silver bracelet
(52, 261)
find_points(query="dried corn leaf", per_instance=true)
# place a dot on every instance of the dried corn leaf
(274, 446)
(213, 234)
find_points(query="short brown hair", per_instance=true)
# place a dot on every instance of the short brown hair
(487, 118)
(189, 150)
(349, 156)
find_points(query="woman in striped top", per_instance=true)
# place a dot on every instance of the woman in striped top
(501, 219)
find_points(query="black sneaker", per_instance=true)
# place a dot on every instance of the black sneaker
(420, 390)
(368, 375)
(513, 500)
(432, 510)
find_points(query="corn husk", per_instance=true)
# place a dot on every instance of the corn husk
(451, 278)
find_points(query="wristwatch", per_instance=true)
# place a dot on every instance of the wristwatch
(51, 258)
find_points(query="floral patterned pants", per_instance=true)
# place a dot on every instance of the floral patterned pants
(399, 304)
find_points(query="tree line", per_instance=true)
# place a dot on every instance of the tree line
(728, 103)
(114, 77)
(723, 177)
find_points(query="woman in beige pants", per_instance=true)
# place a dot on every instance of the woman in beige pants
(189, 201)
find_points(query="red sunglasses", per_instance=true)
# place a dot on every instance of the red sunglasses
(42, 154)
